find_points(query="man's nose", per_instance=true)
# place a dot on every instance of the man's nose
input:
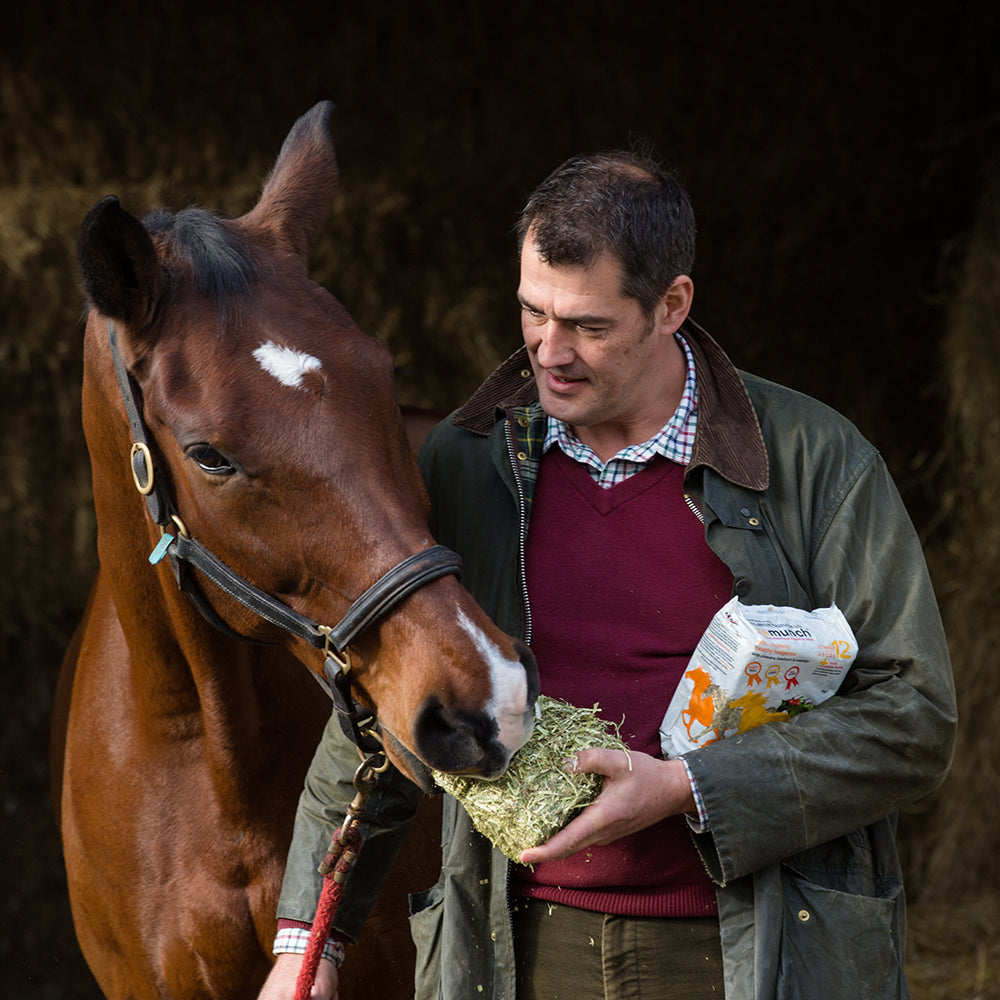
(554, 348)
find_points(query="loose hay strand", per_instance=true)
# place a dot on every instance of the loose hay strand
(536, 796)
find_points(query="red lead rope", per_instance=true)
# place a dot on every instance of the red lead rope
(336, 866)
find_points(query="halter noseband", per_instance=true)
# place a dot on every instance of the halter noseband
(391, 589)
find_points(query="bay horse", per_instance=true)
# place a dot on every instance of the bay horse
(252, 481)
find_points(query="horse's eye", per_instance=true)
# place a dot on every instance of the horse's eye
(211, 460)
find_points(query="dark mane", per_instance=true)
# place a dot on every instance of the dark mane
(220, 260)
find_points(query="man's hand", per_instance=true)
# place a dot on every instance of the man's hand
(280, 984)
(639, 790)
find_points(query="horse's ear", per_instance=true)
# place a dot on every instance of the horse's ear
(118, 263)
(299, 189)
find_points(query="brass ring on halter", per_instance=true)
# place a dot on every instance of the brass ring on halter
(141, 448)
(383, 767)
(367, 763)
(181, 526)
(367, 773)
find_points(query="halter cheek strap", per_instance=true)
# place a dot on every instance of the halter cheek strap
(379, 599)
(141, 456)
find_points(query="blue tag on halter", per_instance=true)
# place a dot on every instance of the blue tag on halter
(161, 548)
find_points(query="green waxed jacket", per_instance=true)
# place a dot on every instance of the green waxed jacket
(801, 812)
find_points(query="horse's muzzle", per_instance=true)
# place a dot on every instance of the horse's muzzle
(472, 741)
(460, 741)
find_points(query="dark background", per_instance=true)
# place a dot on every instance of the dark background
(841, 158)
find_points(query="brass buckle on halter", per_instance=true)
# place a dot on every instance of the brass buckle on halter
(356, 722)
(343, 660)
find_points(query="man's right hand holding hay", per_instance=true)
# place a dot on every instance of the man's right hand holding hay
(638, 791)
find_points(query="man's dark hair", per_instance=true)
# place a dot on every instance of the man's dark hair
(616, 203)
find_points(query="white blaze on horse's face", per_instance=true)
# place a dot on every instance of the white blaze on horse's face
(287, 365)
(509, 705)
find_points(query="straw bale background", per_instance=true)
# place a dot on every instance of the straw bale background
(842, 158)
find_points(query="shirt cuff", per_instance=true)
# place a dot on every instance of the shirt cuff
(295, 940)
(699, 823)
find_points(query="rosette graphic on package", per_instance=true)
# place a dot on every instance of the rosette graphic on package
(756, 664)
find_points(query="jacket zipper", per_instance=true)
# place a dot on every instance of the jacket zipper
(522, 527)
(522, 513)
(691, 504)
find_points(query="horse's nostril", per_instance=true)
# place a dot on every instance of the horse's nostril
(457, 740)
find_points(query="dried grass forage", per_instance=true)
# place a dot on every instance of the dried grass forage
(536, 796)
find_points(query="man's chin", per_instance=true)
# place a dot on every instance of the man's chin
(560, 407)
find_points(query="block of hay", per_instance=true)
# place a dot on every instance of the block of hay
(536, 796)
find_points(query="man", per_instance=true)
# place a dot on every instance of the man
(609, 488)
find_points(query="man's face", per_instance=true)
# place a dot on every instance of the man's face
(601, 365)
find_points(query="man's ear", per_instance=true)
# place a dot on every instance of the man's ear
(676, 303)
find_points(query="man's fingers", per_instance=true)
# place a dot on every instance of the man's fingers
(599, 760)
(570, 839)
(589, 828)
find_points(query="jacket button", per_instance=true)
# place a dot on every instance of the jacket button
(745, 511)
(742, 587)
(525, 373)
(803, 915)
(522, 456)
(754, 521)
(523, 420)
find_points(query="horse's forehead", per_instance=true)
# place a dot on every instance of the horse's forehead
(271, 370)
(285, 332)
(289, 365)
(340, 361)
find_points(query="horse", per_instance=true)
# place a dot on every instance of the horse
(262, 534)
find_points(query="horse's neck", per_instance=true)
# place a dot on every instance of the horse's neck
(181, 666)
(193, 685)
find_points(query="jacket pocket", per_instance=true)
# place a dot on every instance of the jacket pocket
(426, 916)
(838, 945)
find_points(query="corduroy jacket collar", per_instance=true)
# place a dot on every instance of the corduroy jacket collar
(728, 438)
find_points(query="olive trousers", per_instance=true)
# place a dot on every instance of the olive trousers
(568, 954)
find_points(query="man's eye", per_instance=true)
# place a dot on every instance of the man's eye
(211, 460)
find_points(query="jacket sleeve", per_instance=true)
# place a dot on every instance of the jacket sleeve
(328, 791)
(886, 738)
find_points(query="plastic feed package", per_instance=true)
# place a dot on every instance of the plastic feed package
(756, 664)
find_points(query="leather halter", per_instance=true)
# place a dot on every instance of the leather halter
(184, 552)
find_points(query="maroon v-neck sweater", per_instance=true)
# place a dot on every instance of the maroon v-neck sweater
(622, 586)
